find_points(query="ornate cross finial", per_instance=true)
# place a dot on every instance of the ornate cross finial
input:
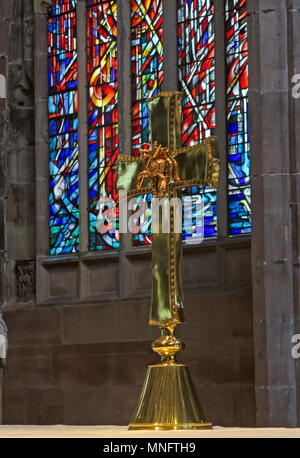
(160, 167)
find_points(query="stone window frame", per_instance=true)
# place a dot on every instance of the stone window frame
(123, 263)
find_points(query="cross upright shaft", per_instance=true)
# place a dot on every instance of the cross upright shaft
(197, 165)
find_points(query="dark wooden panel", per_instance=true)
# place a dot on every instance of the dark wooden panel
(100, 279)
(139, 275)
(200, 268)
(63, 280)
(239, 266)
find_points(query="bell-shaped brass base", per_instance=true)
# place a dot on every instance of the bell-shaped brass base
(168, 401)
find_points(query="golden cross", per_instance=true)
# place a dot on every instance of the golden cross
(164, 170)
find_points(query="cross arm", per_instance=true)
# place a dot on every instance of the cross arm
(199, 165)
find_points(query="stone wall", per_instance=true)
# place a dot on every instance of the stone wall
(17, 208)
(274, 52)
(79, 347)
(17, 215)
(6, 12)
(78, 355)
(86, 364)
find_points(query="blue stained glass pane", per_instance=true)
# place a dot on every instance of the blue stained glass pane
(63, 126)
(147, 79)
(142, 221)
(237, 117)
(196, 59)
(102, 74)
(146, 64)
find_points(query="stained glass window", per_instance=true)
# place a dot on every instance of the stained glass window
(63, 128)
(196, 66)
(146, 63)
(142, 221)
(196, 72)
(237, 117)
(147, 79)
(103, 122)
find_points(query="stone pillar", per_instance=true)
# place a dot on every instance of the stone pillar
(293, 21)
(274, 54)
(125, 132)
(6, 11)
(17, 221)
(82, 126)
(170, 82)
(41, 129)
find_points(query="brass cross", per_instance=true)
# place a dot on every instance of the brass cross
(163, 170)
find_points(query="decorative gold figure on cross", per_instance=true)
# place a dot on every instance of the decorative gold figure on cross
(161, 168)
(168, 399)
